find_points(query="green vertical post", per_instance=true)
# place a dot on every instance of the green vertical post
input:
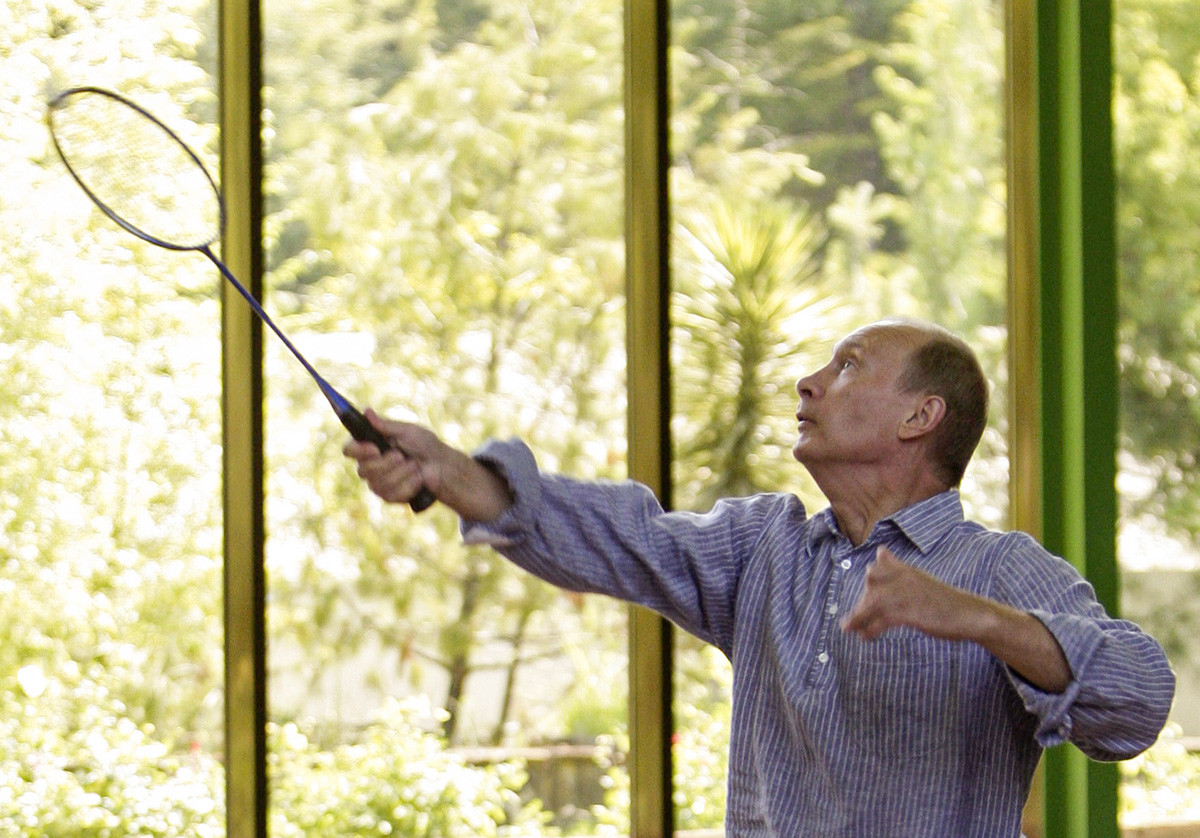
(1077, 338)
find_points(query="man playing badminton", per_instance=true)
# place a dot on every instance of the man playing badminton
(897, 669)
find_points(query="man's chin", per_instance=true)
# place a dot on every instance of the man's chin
(806, 451)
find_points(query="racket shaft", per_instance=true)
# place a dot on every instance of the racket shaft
(354, 421)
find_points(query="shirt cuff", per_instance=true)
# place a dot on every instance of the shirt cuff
(515, 463)
(1079, 639)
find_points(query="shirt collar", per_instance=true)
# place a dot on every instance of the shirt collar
(924, 523)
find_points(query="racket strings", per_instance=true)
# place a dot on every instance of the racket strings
(136, 170)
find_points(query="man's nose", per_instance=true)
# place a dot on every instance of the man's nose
(807, 386)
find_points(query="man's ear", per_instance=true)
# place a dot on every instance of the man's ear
(928, 412)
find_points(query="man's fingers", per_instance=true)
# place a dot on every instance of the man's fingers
(863, 619)
(885, 560)
(393, 477)
(416, 441)
(356, 450)
(869, 618)
(379, 423)
(866, 625)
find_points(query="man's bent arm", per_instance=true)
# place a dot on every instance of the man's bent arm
(898, 594)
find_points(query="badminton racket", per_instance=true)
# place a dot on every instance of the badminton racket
(150, 182)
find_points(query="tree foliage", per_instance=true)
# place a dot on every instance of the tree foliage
(1157, 115)
(466, 226)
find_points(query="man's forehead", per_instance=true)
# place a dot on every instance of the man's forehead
(884, 335)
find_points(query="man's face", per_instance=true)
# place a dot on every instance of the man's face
(851, 409)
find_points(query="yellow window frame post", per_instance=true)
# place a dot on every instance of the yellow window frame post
(649, 386)
(240, 85)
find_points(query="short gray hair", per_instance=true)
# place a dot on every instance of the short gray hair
(944, 365)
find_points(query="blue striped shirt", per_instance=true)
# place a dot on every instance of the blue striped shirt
(905, 735)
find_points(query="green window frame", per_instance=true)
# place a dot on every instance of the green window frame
(1063, 333)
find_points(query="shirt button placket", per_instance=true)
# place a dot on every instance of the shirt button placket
(821, 659)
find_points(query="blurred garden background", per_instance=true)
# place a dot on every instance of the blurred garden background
(444, 239)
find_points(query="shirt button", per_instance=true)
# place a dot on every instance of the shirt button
(846, 564)
(823, 658)
(832, 609)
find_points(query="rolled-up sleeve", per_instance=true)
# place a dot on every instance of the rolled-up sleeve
(515, 463)
(1122, 685)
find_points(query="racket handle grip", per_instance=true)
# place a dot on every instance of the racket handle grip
(362, 430)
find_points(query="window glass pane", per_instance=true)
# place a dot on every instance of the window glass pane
(832, 164)
(445, 220)
(110, 630)
(1157, 116)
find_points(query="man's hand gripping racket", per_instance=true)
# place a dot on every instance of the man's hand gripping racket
(147, 180)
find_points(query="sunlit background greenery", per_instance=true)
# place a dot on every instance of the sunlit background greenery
(444, 240)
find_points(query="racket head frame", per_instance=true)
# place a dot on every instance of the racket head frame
(350, 417)
(60, 100)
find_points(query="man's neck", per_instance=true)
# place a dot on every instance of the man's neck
(860, 501)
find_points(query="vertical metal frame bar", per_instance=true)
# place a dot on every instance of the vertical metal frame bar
(649, 385)
(1063, 321)
(1098, 327)
(1022, 166)
(242, 419)
(1024, 372)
